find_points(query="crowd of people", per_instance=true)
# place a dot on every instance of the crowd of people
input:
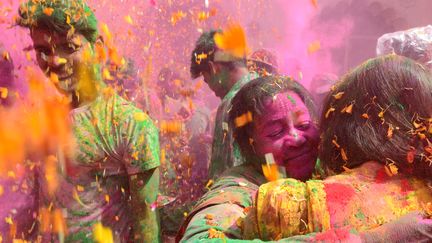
(348, 160)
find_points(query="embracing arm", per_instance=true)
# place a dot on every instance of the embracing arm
(214, 222)
(220, 223)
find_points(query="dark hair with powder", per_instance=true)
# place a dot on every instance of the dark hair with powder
(205, 48)
(61, 16)
(203, 53)
(251, 98)
(391, 99)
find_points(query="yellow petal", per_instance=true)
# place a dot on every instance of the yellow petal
(347, 109)
(106, 74)
(54, 78)
(9, 220)
(338, 95)
(128, 19)
(140, 116)
(243, 119)
(3, 92)
(314, 47)
(344, 155)
(102, 234)
(330, 110)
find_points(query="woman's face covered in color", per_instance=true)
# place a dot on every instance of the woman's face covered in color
(287, 131)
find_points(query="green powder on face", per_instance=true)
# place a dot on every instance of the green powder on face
(291, 99)
(360, 215)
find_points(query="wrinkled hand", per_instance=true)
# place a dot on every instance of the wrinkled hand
(413, 227)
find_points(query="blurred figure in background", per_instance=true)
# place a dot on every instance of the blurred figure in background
(7, 86)
(225, 74)
(185, 149)
(263, 62)
(123, 78)
(320, 87)
(415, 43)
(17, 191)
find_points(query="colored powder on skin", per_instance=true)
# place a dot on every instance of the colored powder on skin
(339, 193)
(381, 176)
(405, 187)
(360, 215)
(328, 236)
(291, 99)
(338, 196)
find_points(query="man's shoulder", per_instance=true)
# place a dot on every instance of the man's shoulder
(245, 173)
(122, 109)
(238, 85)
(113, 111)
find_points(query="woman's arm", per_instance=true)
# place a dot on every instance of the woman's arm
(215, 222)
(224, 228)
(220, 223)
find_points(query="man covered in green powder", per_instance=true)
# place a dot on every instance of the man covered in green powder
(113, 177)
(225, 74)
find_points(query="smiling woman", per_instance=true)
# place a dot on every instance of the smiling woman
(275, 116)
(289, 134)
(284, 125)
(272, 117)
(370, 192)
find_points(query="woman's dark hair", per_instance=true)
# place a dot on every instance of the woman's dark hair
(379, 112)
(251, 98)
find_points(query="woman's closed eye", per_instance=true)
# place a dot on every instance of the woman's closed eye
(275, 132)
(304, 125)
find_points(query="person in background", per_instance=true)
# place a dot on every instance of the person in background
(18, 195)
(7, 86)
(415, 43)
(124, 79)
(225, 74)
(321, 86)
(184, 124)
(263, 62)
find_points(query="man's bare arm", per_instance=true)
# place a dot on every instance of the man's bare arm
(144, 189)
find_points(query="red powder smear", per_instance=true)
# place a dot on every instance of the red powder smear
(334, 235)
(405, 186)
(338, 196)
(381, 176)
(339, 193)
